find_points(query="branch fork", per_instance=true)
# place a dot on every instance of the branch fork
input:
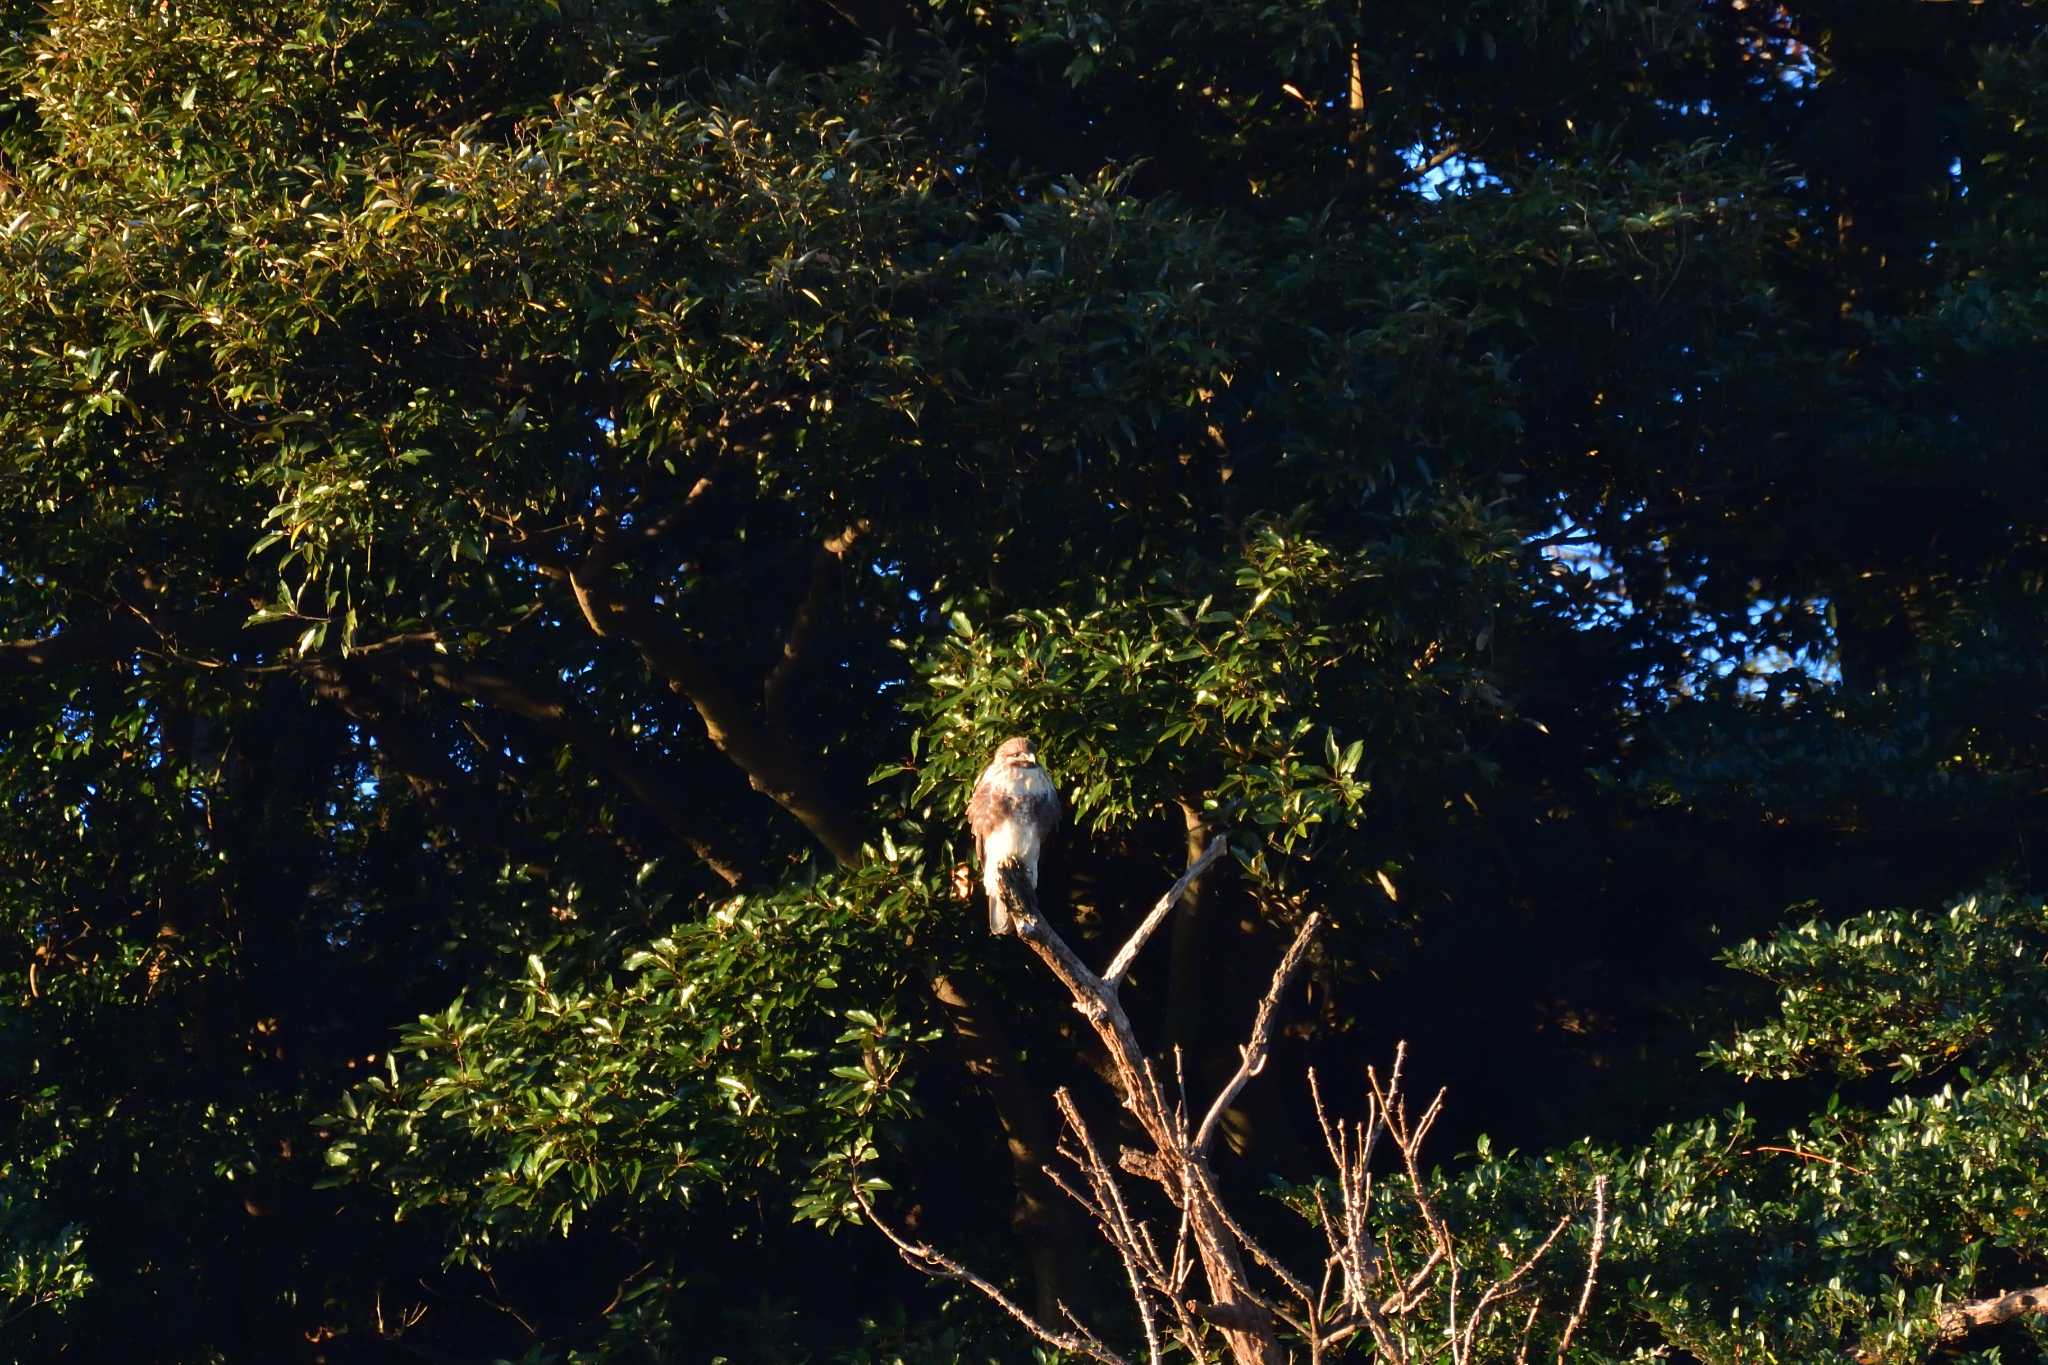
(1361, 1291)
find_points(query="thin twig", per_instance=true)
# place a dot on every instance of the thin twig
(1501, 1290)
(1529, 1322)
(1121, 1232)
(1253, 1054)
(1804, 1155)
(932, 1261)
(1592, 1265)
(1135, 944)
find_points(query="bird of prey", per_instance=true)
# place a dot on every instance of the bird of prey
(1013, 810)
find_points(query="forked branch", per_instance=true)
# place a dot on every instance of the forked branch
(1128, 954)
(1425, 1312)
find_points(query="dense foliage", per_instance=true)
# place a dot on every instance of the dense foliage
(520, 522)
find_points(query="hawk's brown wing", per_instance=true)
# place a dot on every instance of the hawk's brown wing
(1047, 810)
(984, 809)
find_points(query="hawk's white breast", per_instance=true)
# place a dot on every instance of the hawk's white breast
(1016, 835)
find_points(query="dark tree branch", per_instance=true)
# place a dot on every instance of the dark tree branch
(86, 642)
(1417, 172)
(124, 632)
(827, 562)
(405, 748)
(773, 763)
(764, 750)
(553, 713)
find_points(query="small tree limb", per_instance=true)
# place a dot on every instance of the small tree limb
(827, 561)
(1134, 945)
(932, 1261)
(647, 783)
(1252, 1056)
(1247, 1325)
(1117, 1225)
(1599, 1243)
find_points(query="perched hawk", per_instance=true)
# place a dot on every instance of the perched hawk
(1013, 810)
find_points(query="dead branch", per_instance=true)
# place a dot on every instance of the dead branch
(1363, 1264)
(936, 1263)
(1599, 1244)
(1141, 1263)
(1128, 954)
(1252, 1056)
(1956, 1320)
(1503, 1288)
(1247, 1325)
(1394, 1305)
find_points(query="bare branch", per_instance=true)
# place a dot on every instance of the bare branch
(1528, 1324)
(934, 1262)
(1246, 1323)
(1348, 1232)
(1128, 954)
(1131, 1249)
(1097, 1003)
(1145, 1166)
(1502, 1289)
(1372, 1294)
(1265, 1258)
(1599, 1243)
(1253, 1054)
